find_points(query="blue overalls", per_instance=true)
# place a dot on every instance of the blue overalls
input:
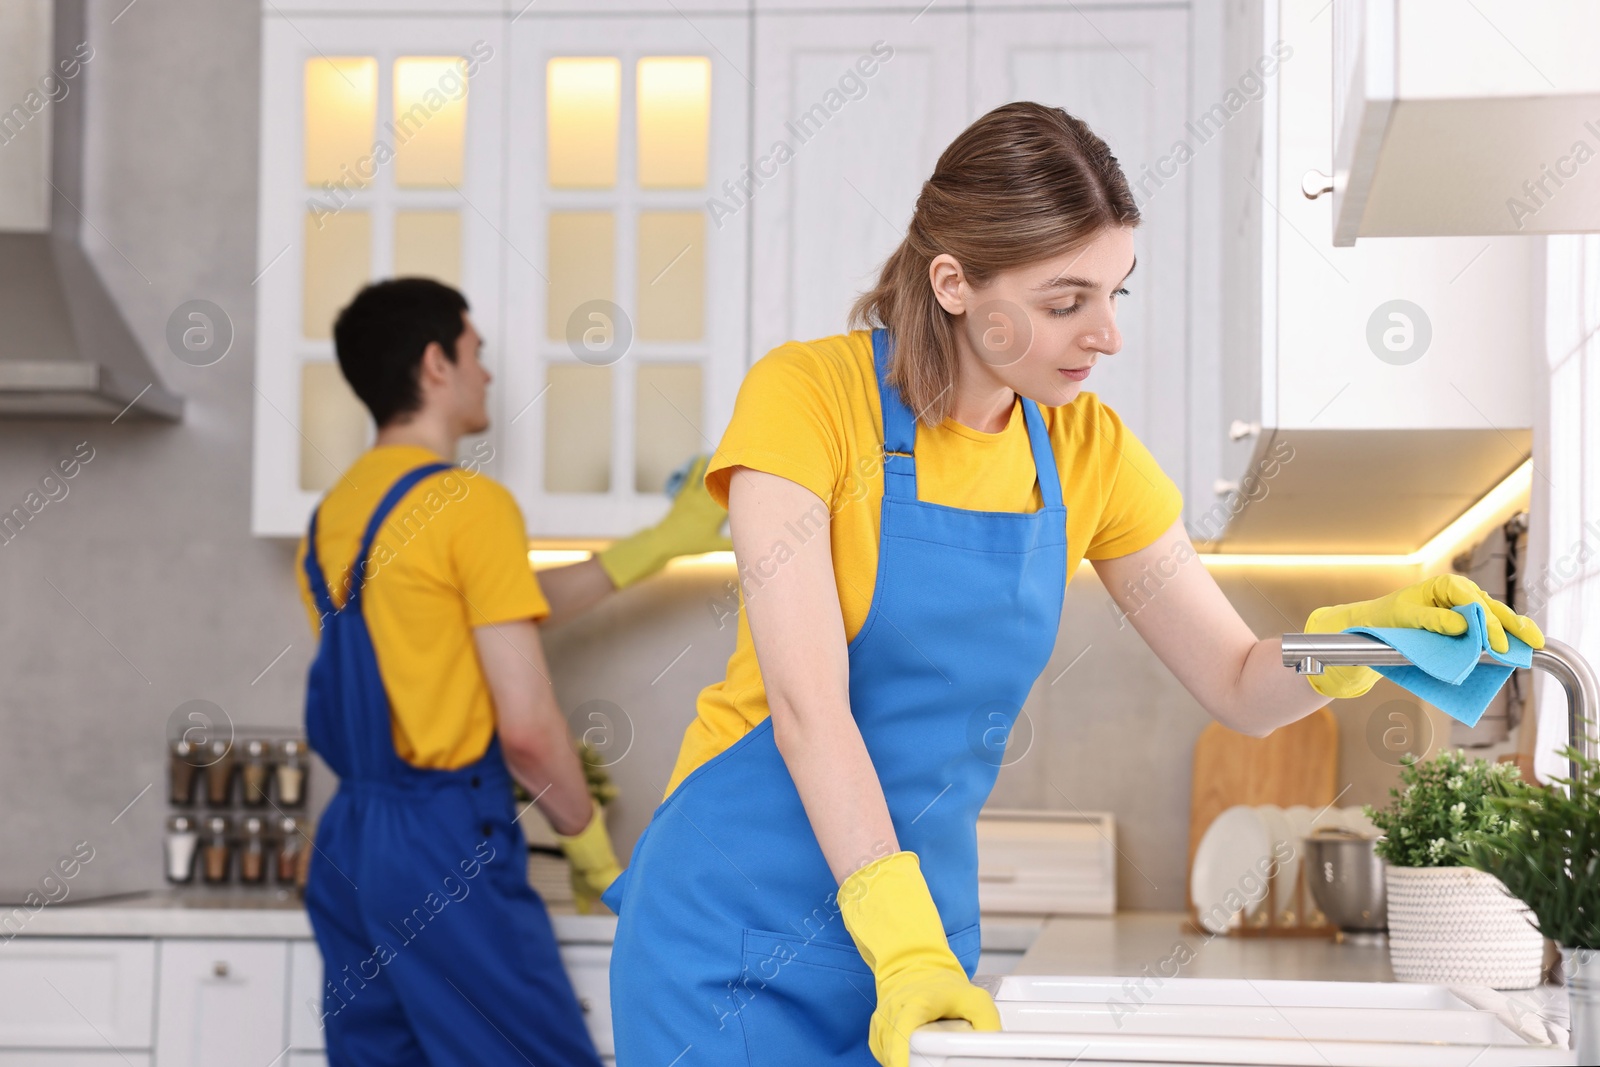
(730, 949)
(435, 950)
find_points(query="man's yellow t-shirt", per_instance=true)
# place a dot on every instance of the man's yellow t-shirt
(452, 555)
(809, 411)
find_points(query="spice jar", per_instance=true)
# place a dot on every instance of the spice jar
(220, 765)
(217, 849)
(289, 849)
(182, 841)
(254, 771)
(183, 769)
(253, 850)
(291, 772)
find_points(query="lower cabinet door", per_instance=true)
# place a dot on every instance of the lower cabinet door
(82, 993)
(589, 968)
(221, 1003)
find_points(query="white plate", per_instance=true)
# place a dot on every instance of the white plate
(1281, 831)
(1230, 864)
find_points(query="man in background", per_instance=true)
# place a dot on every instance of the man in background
(428, 696)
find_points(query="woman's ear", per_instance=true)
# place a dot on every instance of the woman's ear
(949, 283)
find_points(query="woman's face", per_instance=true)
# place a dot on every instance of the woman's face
(1040, 328)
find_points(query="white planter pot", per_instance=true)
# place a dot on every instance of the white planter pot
(1459, 926)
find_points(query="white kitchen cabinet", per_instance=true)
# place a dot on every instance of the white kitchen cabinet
(625, 273)
(851, 113)
(1395, 374)
(1126, 74)
(589, 968)
(221, 1002)
(1445, 124)
(381, 154)
(84, 994)
(305, 996)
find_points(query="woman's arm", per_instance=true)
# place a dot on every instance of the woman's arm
(1195, 631)
(793, 608)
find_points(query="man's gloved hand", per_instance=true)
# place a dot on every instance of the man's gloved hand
(1427, 606)
(891, 917)
(694, 525)
(594, 864)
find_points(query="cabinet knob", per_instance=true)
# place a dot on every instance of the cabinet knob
(1238, 430)
(1222, 487)
(1314, 183)
(220, 968)
(583, 1002)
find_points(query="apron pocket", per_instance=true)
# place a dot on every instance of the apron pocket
(804, 1003)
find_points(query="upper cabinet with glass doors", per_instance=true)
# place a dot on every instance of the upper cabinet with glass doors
(625, 279)
(382, 156)
(563, 173)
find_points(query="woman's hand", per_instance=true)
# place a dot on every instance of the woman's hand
(1426, 605)
(891, 916)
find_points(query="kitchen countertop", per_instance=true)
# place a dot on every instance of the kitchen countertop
(1136, 944)
(222, 912)
(1131, 942)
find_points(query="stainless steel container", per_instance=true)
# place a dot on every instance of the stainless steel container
(1346, 879)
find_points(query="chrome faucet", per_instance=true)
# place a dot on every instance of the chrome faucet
(1310, 653)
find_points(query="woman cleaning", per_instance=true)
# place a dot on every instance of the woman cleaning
(907, 502)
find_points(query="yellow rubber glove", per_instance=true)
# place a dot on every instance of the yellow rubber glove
(1426, 606)
(694, 525)
(892, 919)
(594, 864)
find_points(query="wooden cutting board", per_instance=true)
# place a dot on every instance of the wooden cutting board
(1295, 764)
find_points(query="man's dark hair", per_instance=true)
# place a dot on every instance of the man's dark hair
(380, 336)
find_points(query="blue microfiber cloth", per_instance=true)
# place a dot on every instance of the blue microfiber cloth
(1447, 673)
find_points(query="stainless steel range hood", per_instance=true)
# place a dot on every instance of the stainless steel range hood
(65, 349)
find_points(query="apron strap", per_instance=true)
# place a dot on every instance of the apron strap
(314, 573)
(1044, 456)
(900, 435)
(899, 426)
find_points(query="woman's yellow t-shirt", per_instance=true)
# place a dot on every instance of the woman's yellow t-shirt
(809, 411)
(452, 556)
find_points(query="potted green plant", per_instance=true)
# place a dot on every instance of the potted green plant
(1448, 922)
(1547, 852)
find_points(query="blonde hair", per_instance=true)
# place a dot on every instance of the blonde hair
(1023, 183)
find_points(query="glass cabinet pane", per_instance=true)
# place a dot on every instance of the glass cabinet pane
(583, 105)
(667, 422)
(334, 425)
(428, 243)
(341, 117)
(581, 266)
(577, 429)
(672, 275)
(430, 121)
(674, 100)
(338, 261)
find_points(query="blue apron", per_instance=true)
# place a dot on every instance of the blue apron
(730, 948)
(435, 950)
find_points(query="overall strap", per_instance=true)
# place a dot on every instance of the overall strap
(313, 569)
(314, 574)
(1044, 456)
(899, 426)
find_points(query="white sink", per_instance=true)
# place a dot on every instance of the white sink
(1086, 1021)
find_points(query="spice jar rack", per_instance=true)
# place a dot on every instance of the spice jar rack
(233, 811)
